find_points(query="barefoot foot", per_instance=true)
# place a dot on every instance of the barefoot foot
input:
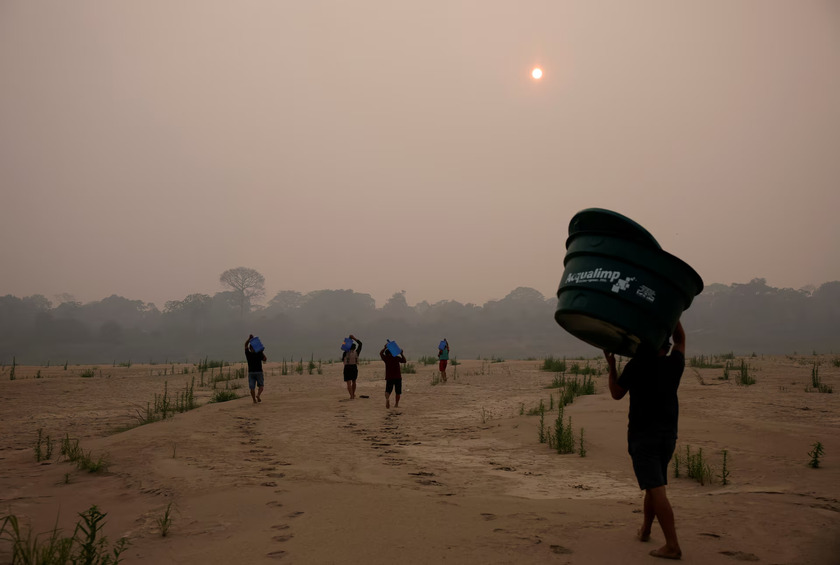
(643, 535)
(666, 553)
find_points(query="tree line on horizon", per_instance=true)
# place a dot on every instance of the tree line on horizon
(741, 318)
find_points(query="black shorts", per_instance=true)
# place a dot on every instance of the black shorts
(393, 384)
(351, 372)
(651, 456)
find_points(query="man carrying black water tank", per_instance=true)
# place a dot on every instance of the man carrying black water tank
(652, 378)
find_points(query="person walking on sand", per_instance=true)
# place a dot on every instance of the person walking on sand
(393, 375)
(351, 366)
(443, 359)
(652, 378)
(255, 370)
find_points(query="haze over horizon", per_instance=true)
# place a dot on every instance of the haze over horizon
(145, 148)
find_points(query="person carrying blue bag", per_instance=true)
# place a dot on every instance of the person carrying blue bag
(255, 370)
(350, 357)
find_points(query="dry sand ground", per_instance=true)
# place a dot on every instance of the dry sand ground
(454, 475)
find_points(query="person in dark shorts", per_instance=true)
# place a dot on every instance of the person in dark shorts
(443, 359)
(255, 370)
(652, 378)
(351, 366)
(393, 375)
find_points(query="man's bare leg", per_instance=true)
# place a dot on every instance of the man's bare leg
(259, 393)
(387, 400)
(353, 390)
(644, 532)
(397, 401)
(349, 388)
(253, 396)
(665, 514)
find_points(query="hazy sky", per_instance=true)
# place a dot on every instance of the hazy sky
(147, 146)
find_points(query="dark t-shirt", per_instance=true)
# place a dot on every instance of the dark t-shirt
(392, 366)
(254, 361)
(653, 382)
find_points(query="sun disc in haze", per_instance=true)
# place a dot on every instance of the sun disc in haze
(537, 73)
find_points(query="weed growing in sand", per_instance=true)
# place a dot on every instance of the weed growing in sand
(427, 360)
(73, 452)
(816, 454)
(43, 447)
(409, 368)
(224, 395)
(564, 437)
(455, 362)
(164, 522)
(724, 473)
(836, 361)
(65, 365)
(581, 449)
(816, 382)
(284, 368)
(521, 408)
(126, 364)
(87, 374)
(435, 379)
(703, 362)
(164, 406)
(695, 466)
(12, 371)
(744, 377)
(38, 374)
(554, 365)
(86, 545)
(677, 462)
(542, 435)
(483, 415)
(311, 366)
(299, 367)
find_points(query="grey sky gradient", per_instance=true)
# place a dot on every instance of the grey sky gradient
(147, 146)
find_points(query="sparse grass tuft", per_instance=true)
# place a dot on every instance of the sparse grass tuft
(224, 395)
(815, 454)
(554, 365)
(165, 522)
(86, 545)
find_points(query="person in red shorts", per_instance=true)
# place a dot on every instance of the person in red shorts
(443, 360)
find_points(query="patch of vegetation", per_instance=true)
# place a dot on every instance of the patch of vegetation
(409, 369)
(816, 381)
(744, 377)
(703, 362)
(165, 522)
(73, 452)
(43, 447)
(87, 374)
(223, 395)
(86, 546)
(696, 467)
(816, 454)
(554, 365)
(427, 360)
(164, 406)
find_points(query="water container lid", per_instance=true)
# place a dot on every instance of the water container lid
(600, 220)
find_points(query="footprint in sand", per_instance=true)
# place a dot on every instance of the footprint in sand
(274, 503)
(740, 555)
(280, 527)
(276, 554)
(283, 538)
(560, 549)
(296, 514)
(268, 484)
(488, 516)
